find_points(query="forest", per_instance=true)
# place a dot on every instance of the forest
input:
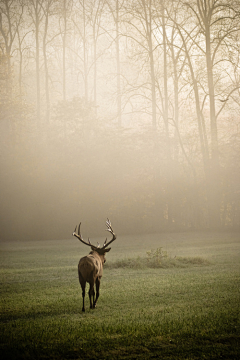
(127, 109)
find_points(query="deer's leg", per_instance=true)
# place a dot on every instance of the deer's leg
(83, 297)
(97, 291)
(91, 294)
(83, 285)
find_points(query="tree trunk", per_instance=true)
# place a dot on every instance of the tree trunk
(64, 48)
(46, 67)
(37, 64)
(213, 121)
(85, 52)
(213, 178)
(165, 74)
(148, 21)
(119, 98)
(95, 70)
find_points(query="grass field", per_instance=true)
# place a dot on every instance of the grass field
(187, 310)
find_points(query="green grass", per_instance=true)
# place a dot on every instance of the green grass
(179, 311)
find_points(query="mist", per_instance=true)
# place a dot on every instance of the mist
(127, 110)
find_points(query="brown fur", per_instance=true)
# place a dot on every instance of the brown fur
(90, 267)
(90, 270)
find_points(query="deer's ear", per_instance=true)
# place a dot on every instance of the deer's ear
(107, 250)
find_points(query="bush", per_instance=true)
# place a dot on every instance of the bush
(156, 259)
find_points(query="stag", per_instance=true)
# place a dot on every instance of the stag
(90, 267)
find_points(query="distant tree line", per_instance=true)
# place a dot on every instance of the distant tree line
(128, 108)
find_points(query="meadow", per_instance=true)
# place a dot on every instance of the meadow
(185, 307)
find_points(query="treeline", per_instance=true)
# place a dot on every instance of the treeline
(126, 109)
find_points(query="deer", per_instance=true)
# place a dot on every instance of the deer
(90, 267)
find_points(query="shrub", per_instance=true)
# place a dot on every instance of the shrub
(156, 259)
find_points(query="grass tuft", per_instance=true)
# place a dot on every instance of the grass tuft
(156, 259)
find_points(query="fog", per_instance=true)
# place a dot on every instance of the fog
(122, 109)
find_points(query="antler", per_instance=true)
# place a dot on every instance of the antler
(97, 248)
(79, 236)
(110, 229)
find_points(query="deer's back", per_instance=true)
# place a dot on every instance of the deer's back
(90, 267)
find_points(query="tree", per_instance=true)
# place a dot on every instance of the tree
(35, 8)
(115, 12)
(216, 21)
(96, 13)
(11, 14)
(47, 5)
(140, 23)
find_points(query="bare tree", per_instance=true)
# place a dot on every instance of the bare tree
(96, 19)
(36, 14)
(46, 9)
(115, 12)
(216, 21)
(11, 14)
(139, 18)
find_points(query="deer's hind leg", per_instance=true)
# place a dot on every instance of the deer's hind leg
(97, 291)
(91, 294)
(83, 286)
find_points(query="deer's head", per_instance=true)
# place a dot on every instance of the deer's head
(98, 249)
